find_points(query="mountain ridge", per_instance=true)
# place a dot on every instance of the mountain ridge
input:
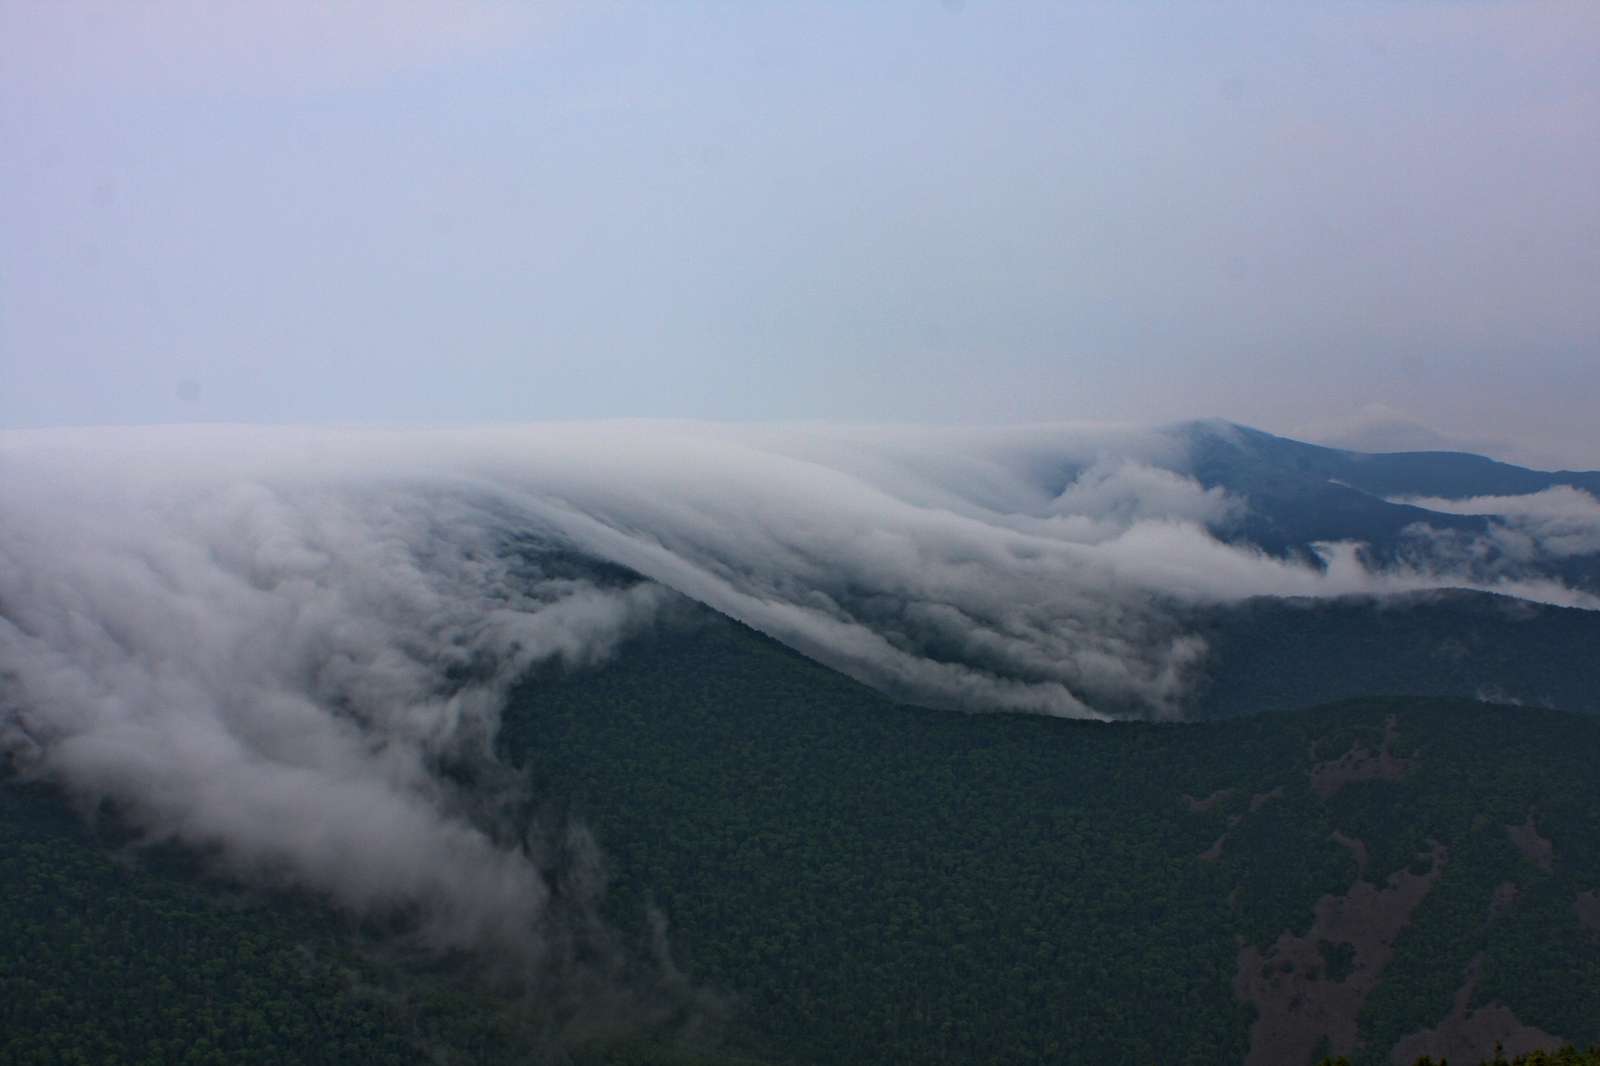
(865, 881)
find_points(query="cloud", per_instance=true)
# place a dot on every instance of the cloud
(289, 678)
(1380, 428)
(283, 645)
(1034, 568)
(1560, 522)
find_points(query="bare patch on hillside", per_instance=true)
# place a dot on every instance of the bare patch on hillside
(1354, 846)
(1261, 799)
(1588, 907)
(1360, 764)
(1311, 987)
(1473, 1035)
(1535, 848)
(1201, 806)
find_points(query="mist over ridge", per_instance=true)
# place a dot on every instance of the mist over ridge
(285, 646)
(1035, 568)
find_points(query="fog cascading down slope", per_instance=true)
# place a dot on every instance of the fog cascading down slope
(287, 647)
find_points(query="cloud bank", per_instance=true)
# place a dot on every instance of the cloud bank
(287, 647)
(1558, 522)
(294, 680)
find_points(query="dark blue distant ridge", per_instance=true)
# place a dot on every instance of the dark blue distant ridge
(1300, 494)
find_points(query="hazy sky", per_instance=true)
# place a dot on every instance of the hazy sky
(1326, 219)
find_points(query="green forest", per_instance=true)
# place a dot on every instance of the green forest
(856, 881)
(1276, 654)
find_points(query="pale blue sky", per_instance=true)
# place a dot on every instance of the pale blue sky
(1282, 214)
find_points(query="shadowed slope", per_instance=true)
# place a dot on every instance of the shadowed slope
(1276, 654)
(876, 883)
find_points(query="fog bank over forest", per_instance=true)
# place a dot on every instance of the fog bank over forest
(286, 645)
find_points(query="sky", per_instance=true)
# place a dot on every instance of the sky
(1375, 225)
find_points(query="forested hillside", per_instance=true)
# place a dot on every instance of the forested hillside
(110, 954)
(857, 881)
(1275, 654)
(886, 884)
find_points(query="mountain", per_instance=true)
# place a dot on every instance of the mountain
(1274, 653)
(876, 883)
(1228, 454)
(1301, 494)
(471, 770)
(111, 952)
(858, 881)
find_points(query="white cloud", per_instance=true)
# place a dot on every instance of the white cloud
(1559, 522)
(273, 674)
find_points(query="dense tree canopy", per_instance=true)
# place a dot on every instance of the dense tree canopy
(864, 882)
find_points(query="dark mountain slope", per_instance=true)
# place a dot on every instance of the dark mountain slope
(1294, 500)
(874, 883)
(877, 884)
(1453, 475)
(1276, 654)
(116, 963)
(115, 955)
(1301, 494)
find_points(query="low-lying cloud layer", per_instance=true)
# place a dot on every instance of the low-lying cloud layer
(1557, 523)
(278, 675)
(272, 644)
